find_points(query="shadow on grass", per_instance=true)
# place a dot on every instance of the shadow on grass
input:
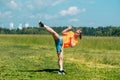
(42, 70)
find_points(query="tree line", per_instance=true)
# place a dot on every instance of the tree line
(87, 31)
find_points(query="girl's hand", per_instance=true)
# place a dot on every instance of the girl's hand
(64, 32)
(70, 27)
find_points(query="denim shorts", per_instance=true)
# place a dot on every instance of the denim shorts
(58, 44)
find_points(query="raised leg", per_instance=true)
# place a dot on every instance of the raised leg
(49, 29)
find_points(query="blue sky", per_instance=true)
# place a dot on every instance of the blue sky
(94, 13)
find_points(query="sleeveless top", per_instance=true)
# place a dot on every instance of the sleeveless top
(66, 39)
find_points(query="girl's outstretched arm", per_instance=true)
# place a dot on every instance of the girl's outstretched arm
(64, 32)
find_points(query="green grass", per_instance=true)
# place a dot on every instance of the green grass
(33, 57)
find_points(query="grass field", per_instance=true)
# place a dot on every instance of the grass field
(33, 57)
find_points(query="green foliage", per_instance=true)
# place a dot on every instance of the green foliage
(87, 31)
(33, 57)
(101, 31)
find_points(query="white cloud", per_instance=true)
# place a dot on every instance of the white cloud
(11, 25)
(30, 6)
(13, 4)
(20, 26)
(73, 20)
(73, 10)
(5, 14)
(44, 3)
(57, 2)
(48, 17)
(26, 25)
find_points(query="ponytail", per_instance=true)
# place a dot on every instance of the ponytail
(80, 36)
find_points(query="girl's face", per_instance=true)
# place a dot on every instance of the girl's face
(77, 32)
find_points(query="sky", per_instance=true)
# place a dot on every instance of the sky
(89, 13)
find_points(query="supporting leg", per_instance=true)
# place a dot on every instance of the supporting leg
(60, 61)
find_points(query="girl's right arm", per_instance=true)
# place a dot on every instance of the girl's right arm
(64, 32)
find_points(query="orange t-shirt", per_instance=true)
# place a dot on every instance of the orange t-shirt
(66, 39)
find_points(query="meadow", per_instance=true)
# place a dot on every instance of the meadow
(33, 57)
